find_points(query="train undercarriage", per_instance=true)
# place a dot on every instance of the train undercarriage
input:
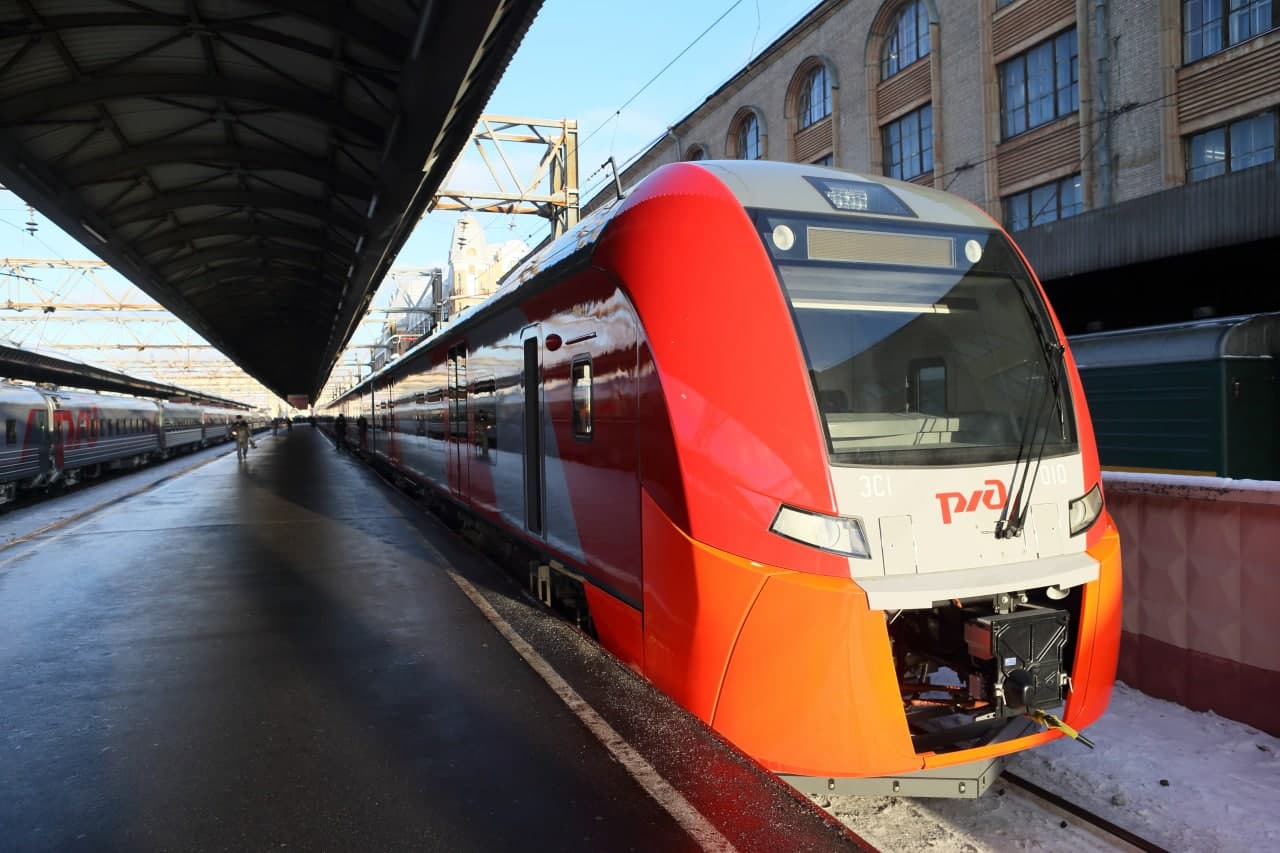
(967, 667)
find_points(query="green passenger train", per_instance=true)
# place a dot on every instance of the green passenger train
(1197, 398)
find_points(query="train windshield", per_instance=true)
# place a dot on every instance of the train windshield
(948, 364)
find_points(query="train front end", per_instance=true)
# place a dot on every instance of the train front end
(943, 587)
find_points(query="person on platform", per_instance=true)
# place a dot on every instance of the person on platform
(340, 432)
(362, 430)
(243, 436)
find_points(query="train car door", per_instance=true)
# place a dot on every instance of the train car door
(457, 432)
(40, 439)
(532, 386)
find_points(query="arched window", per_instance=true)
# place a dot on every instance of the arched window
(696, 152)
(906, 41)
(814, 101)
(748, 138)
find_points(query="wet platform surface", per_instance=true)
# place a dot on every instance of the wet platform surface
(275, 653)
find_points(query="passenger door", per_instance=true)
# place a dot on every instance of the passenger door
(457, 429)
(531, 385)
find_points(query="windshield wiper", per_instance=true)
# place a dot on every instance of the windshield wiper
(1014, 515)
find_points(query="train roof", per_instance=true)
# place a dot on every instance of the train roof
(775, 185)
(80, 397)
(1243, 336)
(9, 389)
(762, 184)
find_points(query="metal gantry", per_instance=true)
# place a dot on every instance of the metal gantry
(551, 191)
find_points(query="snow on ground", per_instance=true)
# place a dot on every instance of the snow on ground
(1185, 780)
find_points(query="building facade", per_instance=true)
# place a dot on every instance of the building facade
(1122, 142)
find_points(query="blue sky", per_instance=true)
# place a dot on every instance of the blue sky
(582, 60)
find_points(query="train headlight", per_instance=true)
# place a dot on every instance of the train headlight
(836, 533)
(1084, 511)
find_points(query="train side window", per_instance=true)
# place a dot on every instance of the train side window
(581, 395)
(927, 386)
(485, 405)
(11, 431)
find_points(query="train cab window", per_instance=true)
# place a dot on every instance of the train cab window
(11, 431)
(862, 320)
(580, 392)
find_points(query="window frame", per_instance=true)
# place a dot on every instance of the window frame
(1026, 84)
(806, 116)
(1221, 26)
(891, 51)
(1195, 174)
(924, 142)
(1029, 195)
(742, 137)
(580, 431)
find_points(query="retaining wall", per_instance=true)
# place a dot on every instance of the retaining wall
(1201, 592)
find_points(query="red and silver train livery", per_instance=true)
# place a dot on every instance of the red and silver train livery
(58, 437)
(805, 448)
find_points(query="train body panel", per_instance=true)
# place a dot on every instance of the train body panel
(63, 436)
(812, 447)
(459, 425)
(217, 424)
(95, 430)
(181, 427)
(26, 457)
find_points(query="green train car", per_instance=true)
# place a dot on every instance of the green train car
(1187, 398)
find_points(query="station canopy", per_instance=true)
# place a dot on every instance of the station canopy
(252, 165)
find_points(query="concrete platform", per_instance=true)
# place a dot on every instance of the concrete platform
(280, 653)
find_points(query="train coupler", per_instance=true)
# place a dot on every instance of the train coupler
(1049, 721)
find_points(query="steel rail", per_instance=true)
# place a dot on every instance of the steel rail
(1084, 814)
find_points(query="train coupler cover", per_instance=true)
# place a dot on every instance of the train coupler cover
(1025, 650)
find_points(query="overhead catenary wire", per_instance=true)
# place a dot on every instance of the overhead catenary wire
(618, 112)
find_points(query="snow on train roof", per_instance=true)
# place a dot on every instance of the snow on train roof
(1244, 336)
(782, 186)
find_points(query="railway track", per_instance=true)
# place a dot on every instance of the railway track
(1129, 840)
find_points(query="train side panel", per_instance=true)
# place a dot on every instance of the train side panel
(455, 416)
(25, 456)
(96, 430)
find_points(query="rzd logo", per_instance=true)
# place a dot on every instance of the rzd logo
(955, 502)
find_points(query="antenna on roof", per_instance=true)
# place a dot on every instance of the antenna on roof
(617, 184)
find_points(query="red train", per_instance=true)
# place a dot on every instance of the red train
(804, 448)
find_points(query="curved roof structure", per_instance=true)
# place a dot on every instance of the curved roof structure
(253, 165)
(1243, 336)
